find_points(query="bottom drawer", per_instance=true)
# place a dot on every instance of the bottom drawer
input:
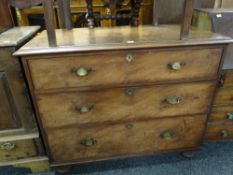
(16, 150)
(219, 132)
(104, 142)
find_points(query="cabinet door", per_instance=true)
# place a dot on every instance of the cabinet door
(8, 113)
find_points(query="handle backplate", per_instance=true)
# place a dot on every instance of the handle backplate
(85, 108)
(173, 100)
(88, 142)
(7, 146)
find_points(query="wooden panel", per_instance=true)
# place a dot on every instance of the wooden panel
(17, 150)
(8, 113)
(17, 95)
(224, 96)
(219, 114)
(113, 68)
(5, 20)
(114, 104)
(219, 132)
(122, 140)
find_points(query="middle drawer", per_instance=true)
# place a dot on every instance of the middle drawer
(124, 104)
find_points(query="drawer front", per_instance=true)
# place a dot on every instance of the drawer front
(124, 67)
(219, 132)
(224, 96)
(77, 145)
(124, 104)
(222, 114)
(15, 150)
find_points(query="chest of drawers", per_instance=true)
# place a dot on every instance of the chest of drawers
(221, 119)
(19, 136)
(139, 91)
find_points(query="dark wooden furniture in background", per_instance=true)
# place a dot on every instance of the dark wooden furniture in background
(65, 15)
(19, 137)
(5, 20)
(112, 96)
(171, 13)
(221, 120)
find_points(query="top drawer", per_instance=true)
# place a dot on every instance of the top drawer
(128, 67)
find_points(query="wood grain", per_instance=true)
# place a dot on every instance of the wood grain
(142, 137)
(224, 96)
(17, 96)
(64, 12)
(112, 68)
(218, 114)
(213, 132)
(9, 118)
(49, 22)
(114, 105)
(186, 21)
(119, 38)
(23, 149)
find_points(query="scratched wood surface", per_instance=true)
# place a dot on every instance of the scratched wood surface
(219, 114)
(84, 39)
(115, 105)
(112, 68)
(139, 138)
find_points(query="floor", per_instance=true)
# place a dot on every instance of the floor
(214, 158)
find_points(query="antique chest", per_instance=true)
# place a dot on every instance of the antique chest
(19, 137)
(109, 93)
(221, 119)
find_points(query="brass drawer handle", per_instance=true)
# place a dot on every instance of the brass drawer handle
(88, 142)
(224, 133)
(176, 65)
(85, 108)
(7, 146)
(229, 116)
(173, 100)
(129, 58)
(129, 92)
(129, 125)
(81, 71)
(168, 134)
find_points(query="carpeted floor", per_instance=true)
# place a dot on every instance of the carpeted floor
(215, 158)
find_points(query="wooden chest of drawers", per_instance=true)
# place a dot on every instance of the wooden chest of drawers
(221, 118)
(19, 136)
(139, 91)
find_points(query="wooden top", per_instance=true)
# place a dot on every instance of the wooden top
(85, 39)
(17, 35)
(216, 10)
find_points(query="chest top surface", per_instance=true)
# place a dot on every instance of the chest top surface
(85, 39)
(17, 35)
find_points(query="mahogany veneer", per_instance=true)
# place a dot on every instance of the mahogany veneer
(119, 92)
